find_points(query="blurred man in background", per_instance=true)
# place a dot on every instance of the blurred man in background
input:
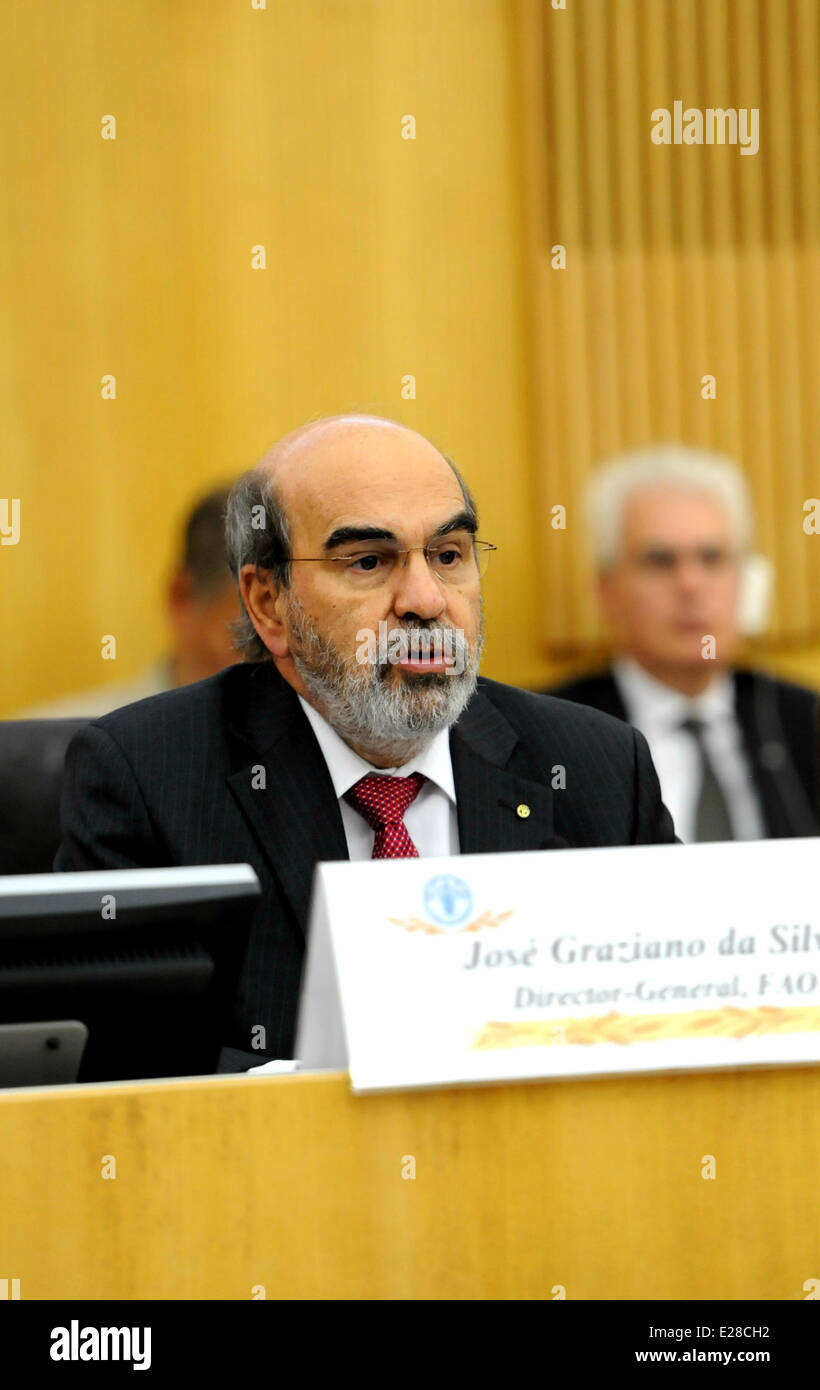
(201, 603)
(734, 749)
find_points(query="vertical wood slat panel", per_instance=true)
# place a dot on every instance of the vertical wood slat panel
(783, 365)
(662, 382)
(544, 227)
(602, 327)
(687, 260)
(804, 62)
(633, 276)
(689, 267)
(750, 233)
(722, 309)
(567, 354)
(805, 74)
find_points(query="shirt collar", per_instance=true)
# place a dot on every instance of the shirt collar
(648, 700)
(346, 767)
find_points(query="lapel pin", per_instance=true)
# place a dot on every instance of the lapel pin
(523, 810)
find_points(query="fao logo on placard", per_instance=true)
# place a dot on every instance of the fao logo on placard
(448, 900)
(448, 903)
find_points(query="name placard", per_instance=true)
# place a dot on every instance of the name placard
(477, 968)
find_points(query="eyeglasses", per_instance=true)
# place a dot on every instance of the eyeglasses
(455, 559)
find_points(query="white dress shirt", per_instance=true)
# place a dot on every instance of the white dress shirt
(658, 711)
(431, 819)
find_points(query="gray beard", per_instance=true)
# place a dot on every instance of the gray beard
(360, 704)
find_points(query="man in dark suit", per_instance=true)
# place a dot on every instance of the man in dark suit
(359, 727)
(735, 750)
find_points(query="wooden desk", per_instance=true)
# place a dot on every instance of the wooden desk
(291, 1183)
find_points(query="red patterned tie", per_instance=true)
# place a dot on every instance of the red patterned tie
(382, 801)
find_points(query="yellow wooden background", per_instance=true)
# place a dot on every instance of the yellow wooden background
(385, 257)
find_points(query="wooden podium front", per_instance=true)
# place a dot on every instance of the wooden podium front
(292, 1188)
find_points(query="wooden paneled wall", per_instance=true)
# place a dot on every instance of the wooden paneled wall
(386, 257)
(682, 261)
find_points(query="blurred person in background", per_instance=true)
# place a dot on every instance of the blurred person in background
(201, 603)
(735, 750)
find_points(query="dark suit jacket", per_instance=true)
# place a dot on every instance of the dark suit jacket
(168, 781)
(780, 726)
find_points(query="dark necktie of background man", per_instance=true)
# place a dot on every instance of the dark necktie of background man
(712, 819)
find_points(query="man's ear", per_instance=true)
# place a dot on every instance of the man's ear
(262, 597)
(178, 596)
(603, 592)
(610, 593)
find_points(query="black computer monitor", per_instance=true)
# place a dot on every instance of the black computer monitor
(147, 959)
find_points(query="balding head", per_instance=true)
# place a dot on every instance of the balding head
(331, 435)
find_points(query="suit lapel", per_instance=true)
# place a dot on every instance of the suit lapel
(498, 810)
(295, 816)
